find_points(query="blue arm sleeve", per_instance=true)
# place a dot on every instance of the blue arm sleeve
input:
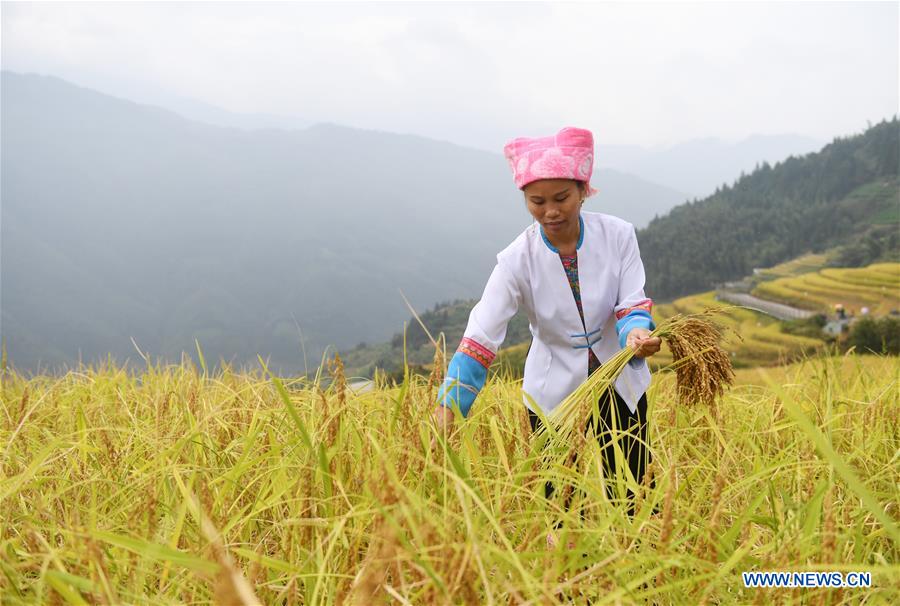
(637, 318)
(465, 378)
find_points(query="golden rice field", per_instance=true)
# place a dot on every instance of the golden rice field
(176, 486)
(876, 287)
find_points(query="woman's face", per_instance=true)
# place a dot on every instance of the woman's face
(555, 204)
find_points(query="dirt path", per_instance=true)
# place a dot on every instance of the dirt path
(777, 310)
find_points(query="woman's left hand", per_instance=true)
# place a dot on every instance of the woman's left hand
(643, 344)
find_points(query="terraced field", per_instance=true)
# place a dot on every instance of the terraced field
(752, 338)
(876, 287)
(794, 267)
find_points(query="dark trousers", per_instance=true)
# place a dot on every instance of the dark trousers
(632, 442)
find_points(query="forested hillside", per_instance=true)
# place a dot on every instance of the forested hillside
(845, 194)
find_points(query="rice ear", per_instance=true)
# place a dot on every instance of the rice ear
(703, 371)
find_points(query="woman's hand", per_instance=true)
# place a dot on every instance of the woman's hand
(443, 418)
(643, 344)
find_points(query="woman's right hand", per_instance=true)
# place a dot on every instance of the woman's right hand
(443, 418)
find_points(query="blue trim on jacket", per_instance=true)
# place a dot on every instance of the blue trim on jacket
(465, 378)
(580, 236)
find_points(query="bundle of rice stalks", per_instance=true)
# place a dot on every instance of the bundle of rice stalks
(702, 369)
(703, 372)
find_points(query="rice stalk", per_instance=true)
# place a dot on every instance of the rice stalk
(229, 586)
(703, 371)
(665, 533)
(339, 381)
(437, 367)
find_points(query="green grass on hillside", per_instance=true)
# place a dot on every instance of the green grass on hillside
(801, 265)
(883, 192)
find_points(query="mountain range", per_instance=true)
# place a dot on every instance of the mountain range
(128, 227)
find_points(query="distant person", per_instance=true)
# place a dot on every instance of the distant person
(579, 277)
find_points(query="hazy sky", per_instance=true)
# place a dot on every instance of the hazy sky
(479, 74)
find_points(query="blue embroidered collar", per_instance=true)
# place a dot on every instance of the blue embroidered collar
(580, 236)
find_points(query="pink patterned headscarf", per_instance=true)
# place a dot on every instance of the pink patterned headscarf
(569, 154)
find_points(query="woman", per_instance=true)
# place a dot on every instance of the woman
(580, 279)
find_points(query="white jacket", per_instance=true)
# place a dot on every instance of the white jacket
(530, 274)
